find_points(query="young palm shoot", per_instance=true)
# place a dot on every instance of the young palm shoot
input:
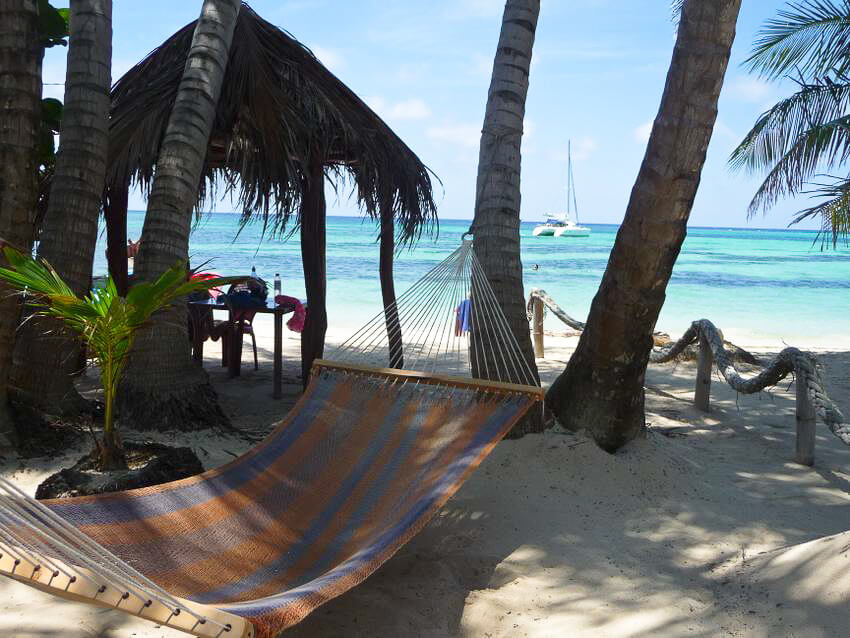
(105, 321)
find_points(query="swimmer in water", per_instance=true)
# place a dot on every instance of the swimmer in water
(535, 267)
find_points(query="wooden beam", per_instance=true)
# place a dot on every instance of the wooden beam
(115, 213)
(87, 587)
(313, 213)
(385, 267)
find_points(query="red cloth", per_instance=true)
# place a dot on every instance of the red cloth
(214, 292)
(299, 316)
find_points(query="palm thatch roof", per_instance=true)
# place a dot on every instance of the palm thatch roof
(280, 109)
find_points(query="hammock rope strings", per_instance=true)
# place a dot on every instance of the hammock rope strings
(31, 531)
(450, 320)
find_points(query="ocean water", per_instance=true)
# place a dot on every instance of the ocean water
(755, 285)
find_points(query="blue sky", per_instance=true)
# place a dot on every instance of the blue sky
(597, 75)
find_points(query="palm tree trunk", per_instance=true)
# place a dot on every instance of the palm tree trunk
(20, 113)
(162, 388)
(385, 269)
(602, 388)
(47, 353)
(497, 206)
(313, 212)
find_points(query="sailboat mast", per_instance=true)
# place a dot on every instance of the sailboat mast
(569, 176)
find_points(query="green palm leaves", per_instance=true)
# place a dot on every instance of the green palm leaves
(807, 134)
(105, 321)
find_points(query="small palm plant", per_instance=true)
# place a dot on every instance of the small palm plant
(105, 321)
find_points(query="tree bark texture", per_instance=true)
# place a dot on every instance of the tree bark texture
(20, 120)
(497, 205)
(602, 388)
(385, 269)
(313, 212)
(162, 389)
(46, 352)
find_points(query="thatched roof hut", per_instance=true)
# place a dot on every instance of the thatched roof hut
(282, 118)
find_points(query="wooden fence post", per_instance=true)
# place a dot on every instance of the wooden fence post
(705, 362)
(537, 325)
(805, 424)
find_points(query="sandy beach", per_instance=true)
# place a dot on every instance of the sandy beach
(704, 527)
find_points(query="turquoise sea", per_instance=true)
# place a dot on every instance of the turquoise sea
(756, 285)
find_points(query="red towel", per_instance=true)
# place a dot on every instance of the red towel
(299, 316)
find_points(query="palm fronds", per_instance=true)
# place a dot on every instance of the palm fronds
(812, 36)
(280, 109)
(105, 321)
(833, 212)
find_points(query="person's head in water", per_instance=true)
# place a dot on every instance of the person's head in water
(535, 267)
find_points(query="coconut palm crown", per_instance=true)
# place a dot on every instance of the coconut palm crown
(805, 138)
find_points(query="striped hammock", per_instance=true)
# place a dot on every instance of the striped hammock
(360, 464)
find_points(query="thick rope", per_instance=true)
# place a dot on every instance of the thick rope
(804, 365)
(540, 294)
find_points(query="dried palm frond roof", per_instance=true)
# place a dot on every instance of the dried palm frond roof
(280, 109)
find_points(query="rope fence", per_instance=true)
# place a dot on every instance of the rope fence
(812, 400)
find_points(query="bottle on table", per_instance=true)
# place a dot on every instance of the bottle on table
(276, 284)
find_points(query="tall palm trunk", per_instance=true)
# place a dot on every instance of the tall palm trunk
(313, 217)
(46, 353)
(20, 114)
(497, 205)
(162, 389)
(602, 387)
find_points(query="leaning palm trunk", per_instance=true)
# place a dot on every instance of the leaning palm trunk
(497, 205)
(163, 388)
(602, 386)
(20, 113)
(46, 352)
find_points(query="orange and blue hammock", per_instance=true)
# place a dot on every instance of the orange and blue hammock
(359, 466)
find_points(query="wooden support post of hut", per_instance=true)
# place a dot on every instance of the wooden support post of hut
(537, 325)
(705, 362)
(805, 424)
(313, 212)
(385, 268)
(115, 213)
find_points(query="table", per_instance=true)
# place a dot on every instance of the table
(234, 360)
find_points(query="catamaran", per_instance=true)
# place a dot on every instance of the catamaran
(561, 225)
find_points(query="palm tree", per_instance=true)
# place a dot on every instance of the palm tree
(46, 354)
(162, 386)
(21, 53)
(104, 320)
(497, 201)
(602, 388)
(808, 133)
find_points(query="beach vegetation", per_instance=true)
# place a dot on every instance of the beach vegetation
(106, 322)
(802, 140)
(602, 387)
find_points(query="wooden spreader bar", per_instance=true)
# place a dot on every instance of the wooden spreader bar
(87, 587)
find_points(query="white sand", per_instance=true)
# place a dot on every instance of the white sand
(705, 527)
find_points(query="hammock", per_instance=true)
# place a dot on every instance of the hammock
(361, 463)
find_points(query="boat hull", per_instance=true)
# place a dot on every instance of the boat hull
(578, 231)
(543, 231)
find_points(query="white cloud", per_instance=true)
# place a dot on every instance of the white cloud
(749, 89)
(329, 57)
(468, 135)
(476, 9)
(581, 149)
(642, 132)
(412, 109)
